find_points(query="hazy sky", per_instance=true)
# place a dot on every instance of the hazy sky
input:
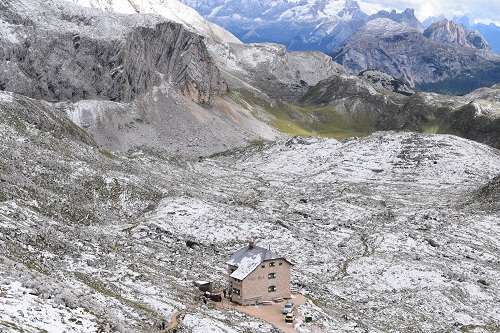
(478, 11)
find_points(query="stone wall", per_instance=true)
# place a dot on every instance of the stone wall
(255, 287)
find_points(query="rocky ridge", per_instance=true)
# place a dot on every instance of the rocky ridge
(302, 25)
(448, 32)
(136, 56)
(375, 101)
(406, 54)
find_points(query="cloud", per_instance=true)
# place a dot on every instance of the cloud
(484, 11)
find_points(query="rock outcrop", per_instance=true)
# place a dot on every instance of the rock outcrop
(447, 32)
(44, 61)
(406, 54)
(406, 17)
(271, 69)
(386, 81)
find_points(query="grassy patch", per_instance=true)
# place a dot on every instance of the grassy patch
(437, 128)
(11, 326)
(470, 328)
(128, 230)
(108, 154)
(303, 120)
(256, 142)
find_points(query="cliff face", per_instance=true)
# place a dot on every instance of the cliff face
(43, 61)
(447, 32)
(444, 61)
(407, 18)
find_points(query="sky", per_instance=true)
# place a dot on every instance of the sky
(478, 11)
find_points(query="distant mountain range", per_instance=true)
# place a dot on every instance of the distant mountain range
(310, 25)
(300, 25)
(446, 57)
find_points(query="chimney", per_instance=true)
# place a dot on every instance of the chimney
(250, 243)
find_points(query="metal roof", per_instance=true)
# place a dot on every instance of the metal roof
(247, 259)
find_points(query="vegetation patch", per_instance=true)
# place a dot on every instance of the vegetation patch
(304, 120)
(257, 142)
(11, 326)
(108, 154)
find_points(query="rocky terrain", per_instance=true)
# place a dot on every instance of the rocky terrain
(394, 231)
(446, 58)
(141, 145)
(489, 31)
(448, 32)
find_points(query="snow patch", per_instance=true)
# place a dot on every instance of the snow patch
(7, 32)
(20, 309)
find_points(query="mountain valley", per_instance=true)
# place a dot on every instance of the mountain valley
(142, 145)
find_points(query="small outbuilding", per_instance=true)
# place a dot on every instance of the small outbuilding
(203, 285)
(257, 274)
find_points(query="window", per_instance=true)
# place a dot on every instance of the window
(271, 276)
(271, 289)
(280, 264)
(263, 266)
(272, 264)
(236, 291)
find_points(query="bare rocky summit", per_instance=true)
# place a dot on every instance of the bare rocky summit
(447, 32)
(445, 58)
(386, 81)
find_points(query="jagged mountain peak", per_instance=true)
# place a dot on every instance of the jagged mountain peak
(448, 32)
(272, 9)
(417, 58)
(406, 17)
(301, 25)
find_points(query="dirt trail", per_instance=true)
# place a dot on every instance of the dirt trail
(270, 313)
(174, 319)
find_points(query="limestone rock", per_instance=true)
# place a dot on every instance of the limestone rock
(68, 57)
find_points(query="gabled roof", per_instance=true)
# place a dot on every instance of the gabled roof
(247, 259)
